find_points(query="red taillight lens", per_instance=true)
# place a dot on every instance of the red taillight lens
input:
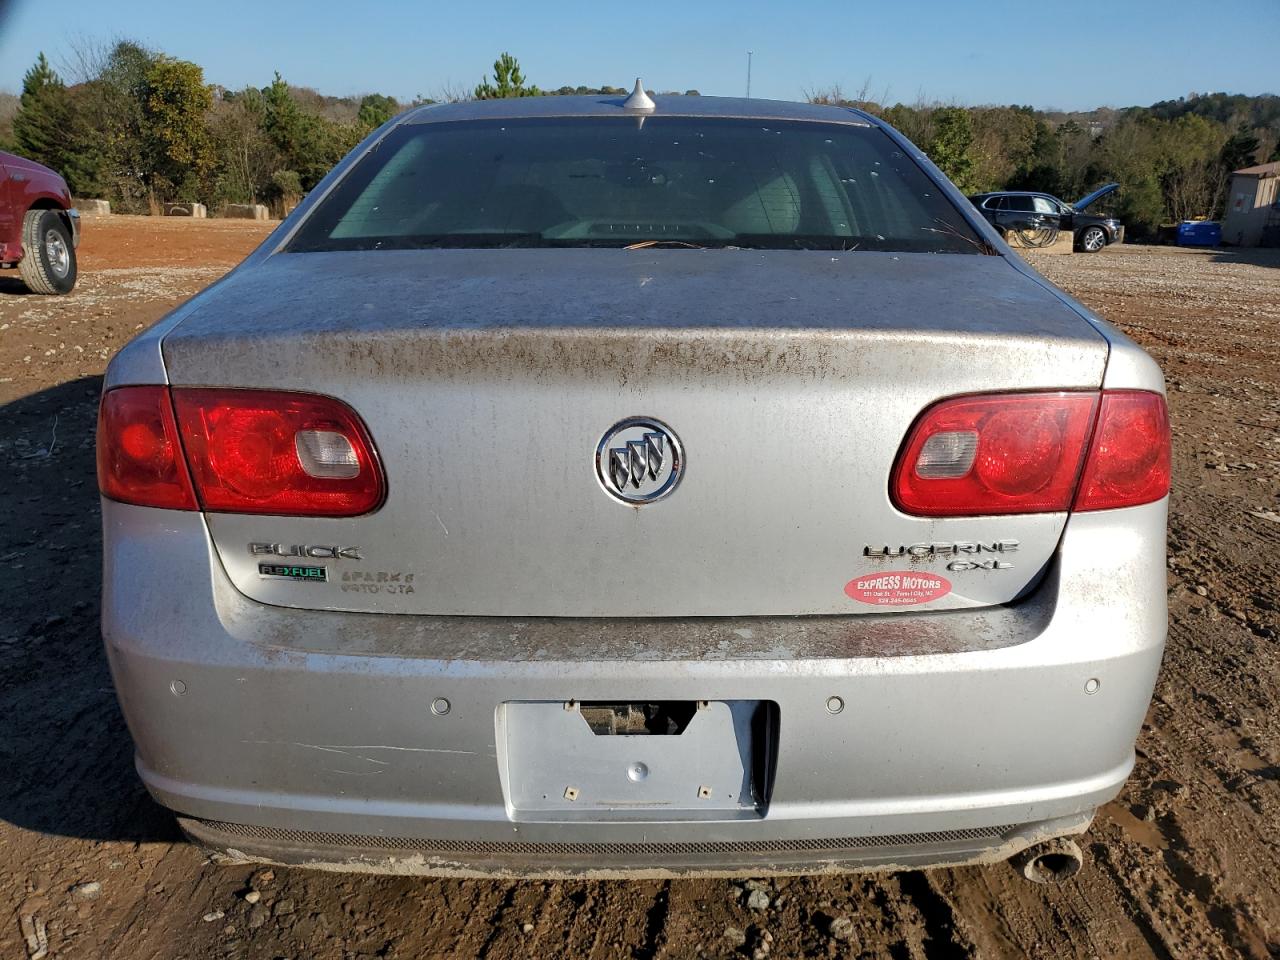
(1010, 453)
(1023, 453)
(292, 454)
(1129, 460)
(139, 457)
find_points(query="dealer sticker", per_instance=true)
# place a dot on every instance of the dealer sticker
(897, 588)
(292, 571)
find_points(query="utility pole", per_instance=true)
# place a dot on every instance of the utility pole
(749, 74)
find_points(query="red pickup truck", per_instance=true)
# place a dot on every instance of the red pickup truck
(39, 229)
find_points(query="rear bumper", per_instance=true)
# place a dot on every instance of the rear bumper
(310, 737)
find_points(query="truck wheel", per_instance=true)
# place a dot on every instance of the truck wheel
(48, 263)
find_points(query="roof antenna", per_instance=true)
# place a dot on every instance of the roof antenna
(639, 100)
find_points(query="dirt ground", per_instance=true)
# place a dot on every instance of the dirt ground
(1183, 864)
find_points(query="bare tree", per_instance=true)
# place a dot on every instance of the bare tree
(87, 58)
(835, 96)
(830, 95)
(452, 92)
(246, 158)
(9, 104)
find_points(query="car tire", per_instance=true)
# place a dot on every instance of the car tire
(1092, 239)
(48, 263)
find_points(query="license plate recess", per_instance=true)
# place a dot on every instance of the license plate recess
(561, 760)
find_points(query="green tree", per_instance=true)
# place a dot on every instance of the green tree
(175, 100)
(1189, 167)
(375, 110)
(308, 144)
(283, 191)
(282, 121)
(1240, 149)
(1133, 152)
(40, 128)
(1004, 144)
(508, 81)
(1043, 169)
(113, 126)
(951, 145)
(914, 123)
(51, 127)
(584, 91)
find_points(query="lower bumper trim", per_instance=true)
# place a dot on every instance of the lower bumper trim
(647, 849)
(515, 858)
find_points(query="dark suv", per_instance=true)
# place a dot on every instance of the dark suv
(1014, 210)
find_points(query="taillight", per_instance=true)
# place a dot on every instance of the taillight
(139, 456)
(1129, 460)
(1010, 453)
(1024, 453)
(246, 451)
(293, 454)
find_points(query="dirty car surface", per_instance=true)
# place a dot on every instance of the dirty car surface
(568, 488)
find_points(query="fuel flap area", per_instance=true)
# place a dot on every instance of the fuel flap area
(637, 761)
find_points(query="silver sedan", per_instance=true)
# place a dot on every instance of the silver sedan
(578, 486)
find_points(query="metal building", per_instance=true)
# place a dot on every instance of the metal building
(1253, 207)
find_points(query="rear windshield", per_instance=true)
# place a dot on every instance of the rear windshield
(617, 181)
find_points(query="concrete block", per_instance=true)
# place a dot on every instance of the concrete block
(196, 210)
(246, 211)
(93, 208)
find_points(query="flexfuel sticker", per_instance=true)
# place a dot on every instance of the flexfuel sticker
(292, 571)
(897, 588)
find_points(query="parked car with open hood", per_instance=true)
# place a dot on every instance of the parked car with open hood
(39, 228)
(1015, 210)
(572, 486)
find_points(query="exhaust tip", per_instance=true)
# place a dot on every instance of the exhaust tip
(1053, 861)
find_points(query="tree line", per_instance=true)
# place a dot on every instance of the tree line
(1173, 160)
(141, 128)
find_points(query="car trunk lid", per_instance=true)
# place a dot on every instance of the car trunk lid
(488, 379)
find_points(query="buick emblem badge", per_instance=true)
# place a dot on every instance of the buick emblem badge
(639, 460)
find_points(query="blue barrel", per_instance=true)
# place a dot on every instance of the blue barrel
(1199, 233)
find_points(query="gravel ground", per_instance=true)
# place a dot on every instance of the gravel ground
(1183, 864)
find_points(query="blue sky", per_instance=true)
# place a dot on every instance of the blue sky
(1072, 56)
